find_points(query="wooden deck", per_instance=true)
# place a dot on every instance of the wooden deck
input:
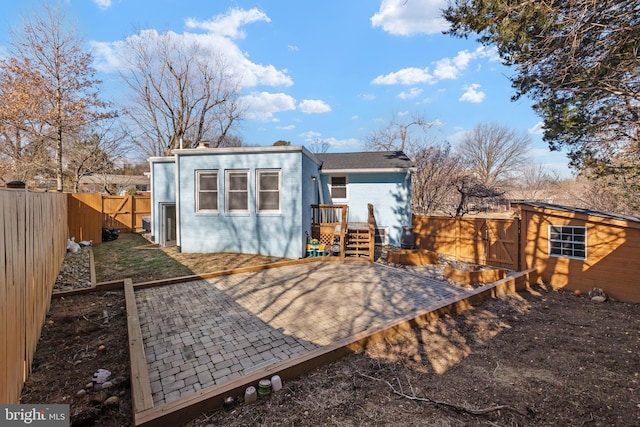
(330, 225)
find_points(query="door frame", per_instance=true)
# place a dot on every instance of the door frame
(163, 224)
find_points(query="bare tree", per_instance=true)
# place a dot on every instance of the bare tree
(55, 70)
(433, 183)
(533, 182)
(492, 152)
(396, 135)
(319, 146)
(618, 193)
(472, 192)
(183, 94)
(94, 153)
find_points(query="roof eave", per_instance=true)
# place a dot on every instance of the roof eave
(366, 170)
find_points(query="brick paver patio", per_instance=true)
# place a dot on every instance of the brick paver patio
(205, 332)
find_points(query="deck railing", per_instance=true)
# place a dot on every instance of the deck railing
(328, 223)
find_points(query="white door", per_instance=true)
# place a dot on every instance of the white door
(168, 221)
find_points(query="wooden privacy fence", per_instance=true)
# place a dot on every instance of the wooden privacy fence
(33, 237)
(89, 212)
(490, 241)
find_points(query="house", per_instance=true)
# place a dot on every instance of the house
(268, 200)
(116, 184)
(582, 249)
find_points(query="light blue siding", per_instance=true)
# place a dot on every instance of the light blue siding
(163, 190)
(310, 194)
(388, 192)
(276, 234)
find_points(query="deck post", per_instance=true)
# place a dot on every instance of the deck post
(343, 234)
(371, 220)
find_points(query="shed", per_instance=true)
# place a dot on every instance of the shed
(582, 249)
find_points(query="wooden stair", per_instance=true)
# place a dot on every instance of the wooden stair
(357, 241)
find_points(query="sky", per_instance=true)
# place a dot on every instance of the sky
(331, 70)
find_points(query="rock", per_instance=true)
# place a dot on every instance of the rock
(101, 348)
(75, 272)
(119, 380)
(107, 384)
(599, 298)
(89, 386)
(81, 393)
(98, 398)
(597, 292)
(112, 401)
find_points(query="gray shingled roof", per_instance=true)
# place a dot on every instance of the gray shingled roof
(583, 211)
(365, 160)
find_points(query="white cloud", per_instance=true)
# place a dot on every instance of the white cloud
(414, 92)
(406, 18)
(405, 76)
(537, 129)
(290, 127)
(103, 4)
(444, 69)
(229, 24)
(293, 48)
(310, 136)
(367, 97)
(217, 41)
(314, 106)
(344, 144)
(263, 105)
(472, 94)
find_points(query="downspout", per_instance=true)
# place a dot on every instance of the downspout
(407, 193)
(320, 195)
(154, 209)
(178, 240)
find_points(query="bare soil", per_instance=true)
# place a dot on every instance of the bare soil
(541, 358)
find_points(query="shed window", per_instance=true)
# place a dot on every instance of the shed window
(268, 183)
(568, 241)
(237, 191)
(338, 187)
(207, 191)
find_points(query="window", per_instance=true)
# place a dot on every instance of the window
(338, 187)
(207, 191)
(268, 183)
(568, 241)
(237, 191)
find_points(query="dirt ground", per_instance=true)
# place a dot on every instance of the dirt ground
(541, 358)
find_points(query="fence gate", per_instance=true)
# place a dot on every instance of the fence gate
(89, 212)
(490, 241)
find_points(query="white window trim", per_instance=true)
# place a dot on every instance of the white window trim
(384, 234)
(346, 187)
(226, 190)
(550, 240)
(258, 191)
(207, 171)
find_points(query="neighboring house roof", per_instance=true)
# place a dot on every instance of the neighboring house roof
(391, 161)
(582, 211)
(115, 179)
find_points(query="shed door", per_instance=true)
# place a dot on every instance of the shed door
(168, 221)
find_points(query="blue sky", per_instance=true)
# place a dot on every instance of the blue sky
(330, 70)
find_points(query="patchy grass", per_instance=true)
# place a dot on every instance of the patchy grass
(130, 256)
